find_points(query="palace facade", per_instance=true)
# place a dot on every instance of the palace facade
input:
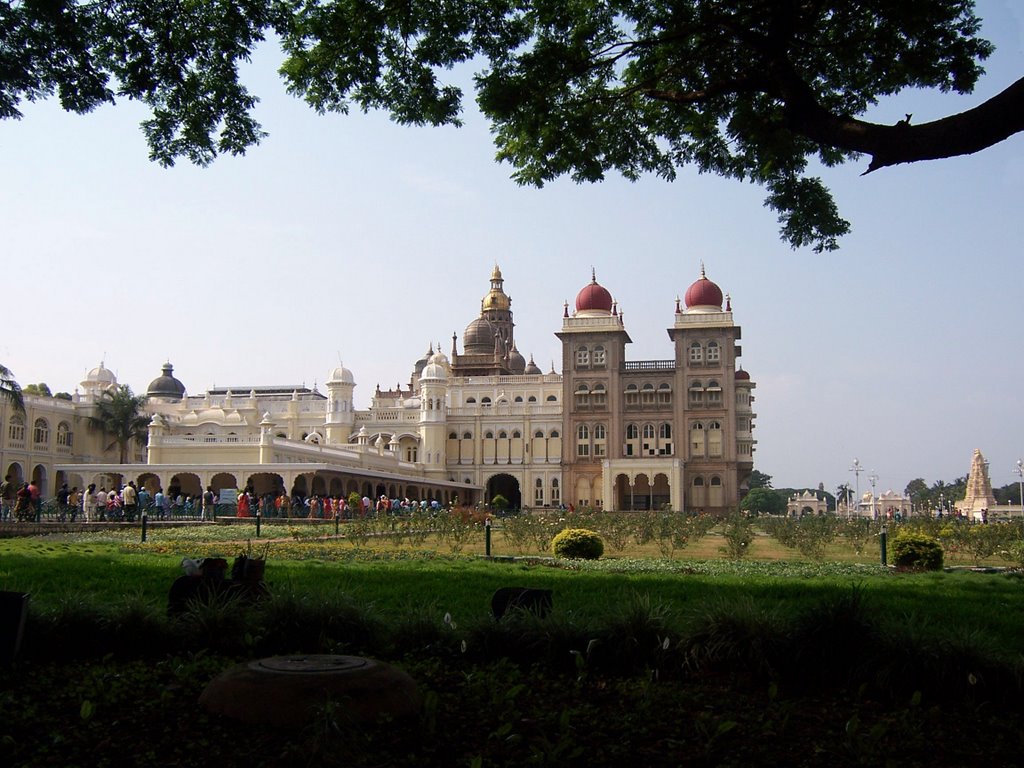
(608, 431)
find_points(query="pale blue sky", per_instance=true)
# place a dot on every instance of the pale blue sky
(352, 236)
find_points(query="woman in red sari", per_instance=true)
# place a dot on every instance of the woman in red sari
(243, 505)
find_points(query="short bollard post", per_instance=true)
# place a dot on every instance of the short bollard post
(882, 542)
(258, 518)
(145, 521)
(487, 537)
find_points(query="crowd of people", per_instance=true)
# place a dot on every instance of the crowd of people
(127, 503)
(325, 507)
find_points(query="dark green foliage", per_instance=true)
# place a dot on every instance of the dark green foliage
(324, 622)
(754, 91)
(577, 544)
(10, 390)
(736, 638)
(119, 414)
(916, 551)
(764, 501)
(738, 533)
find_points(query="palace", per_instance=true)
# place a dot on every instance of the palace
(607, 432)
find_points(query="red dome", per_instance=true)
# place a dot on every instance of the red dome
(742, 375)
(594, 297)
(703, 293)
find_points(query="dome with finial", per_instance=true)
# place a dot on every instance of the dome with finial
(532, 369)
(516, 362)
(422, 362)
(496, 298)
(340, 375)
(742, 375)
(593, 298)
(165, 386)
(703, 294)
(99, 377)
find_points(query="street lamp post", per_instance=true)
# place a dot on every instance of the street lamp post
(857, 469)
(873, 478)
(1020, 480)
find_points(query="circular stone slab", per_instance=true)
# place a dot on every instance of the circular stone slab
(286, 691)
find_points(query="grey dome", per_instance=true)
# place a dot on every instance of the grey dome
(516, 362)
(478, 338)
(166, 386)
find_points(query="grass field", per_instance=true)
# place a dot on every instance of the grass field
(692, 661)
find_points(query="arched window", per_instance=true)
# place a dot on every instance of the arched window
(539, 434)
(696, 391)
(556, 493)
(582, 357)
(517, 434)
(488, 435)
(531, 399)
(598, 397)
(599, 357)
(467, 435)
(632, 394)
(698, 493)
(554, 433)
(715, 439)
(714, 352)
(632, 446)
(716, 480)
(665, 439)
(485, 401)
(41, 432)
(647, 394)
(714, 393)
(16, 430)
(582, 395)
(696, 353)
(470, 400)
(64, 436)
(648, 431)
(538, 492)
(552, 398)
(697, 440)
(503, 435)
(582, 440)
(519, 398)
(453, 436)
(664, 394)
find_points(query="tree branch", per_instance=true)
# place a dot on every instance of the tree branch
(964, 133)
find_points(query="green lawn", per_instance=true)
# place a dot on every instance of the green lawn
(692, 661)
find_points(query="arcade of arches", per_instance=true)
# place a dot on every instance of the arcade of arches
(302, 483)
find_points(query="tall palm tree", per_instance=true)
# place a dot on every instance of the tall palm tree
(10, 390)
(119, 414)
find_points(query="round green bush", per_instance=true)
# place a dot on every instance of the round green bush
(577, 544)
(917, 551)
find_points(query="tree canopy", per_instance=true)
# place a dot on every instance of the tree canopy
(764, 501)
(42, 389)
(119, 414)
(746, 89)
(10, 390)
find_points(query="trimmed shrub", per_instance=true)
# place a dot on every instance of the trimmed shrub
(577, 544)
(917, 551)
